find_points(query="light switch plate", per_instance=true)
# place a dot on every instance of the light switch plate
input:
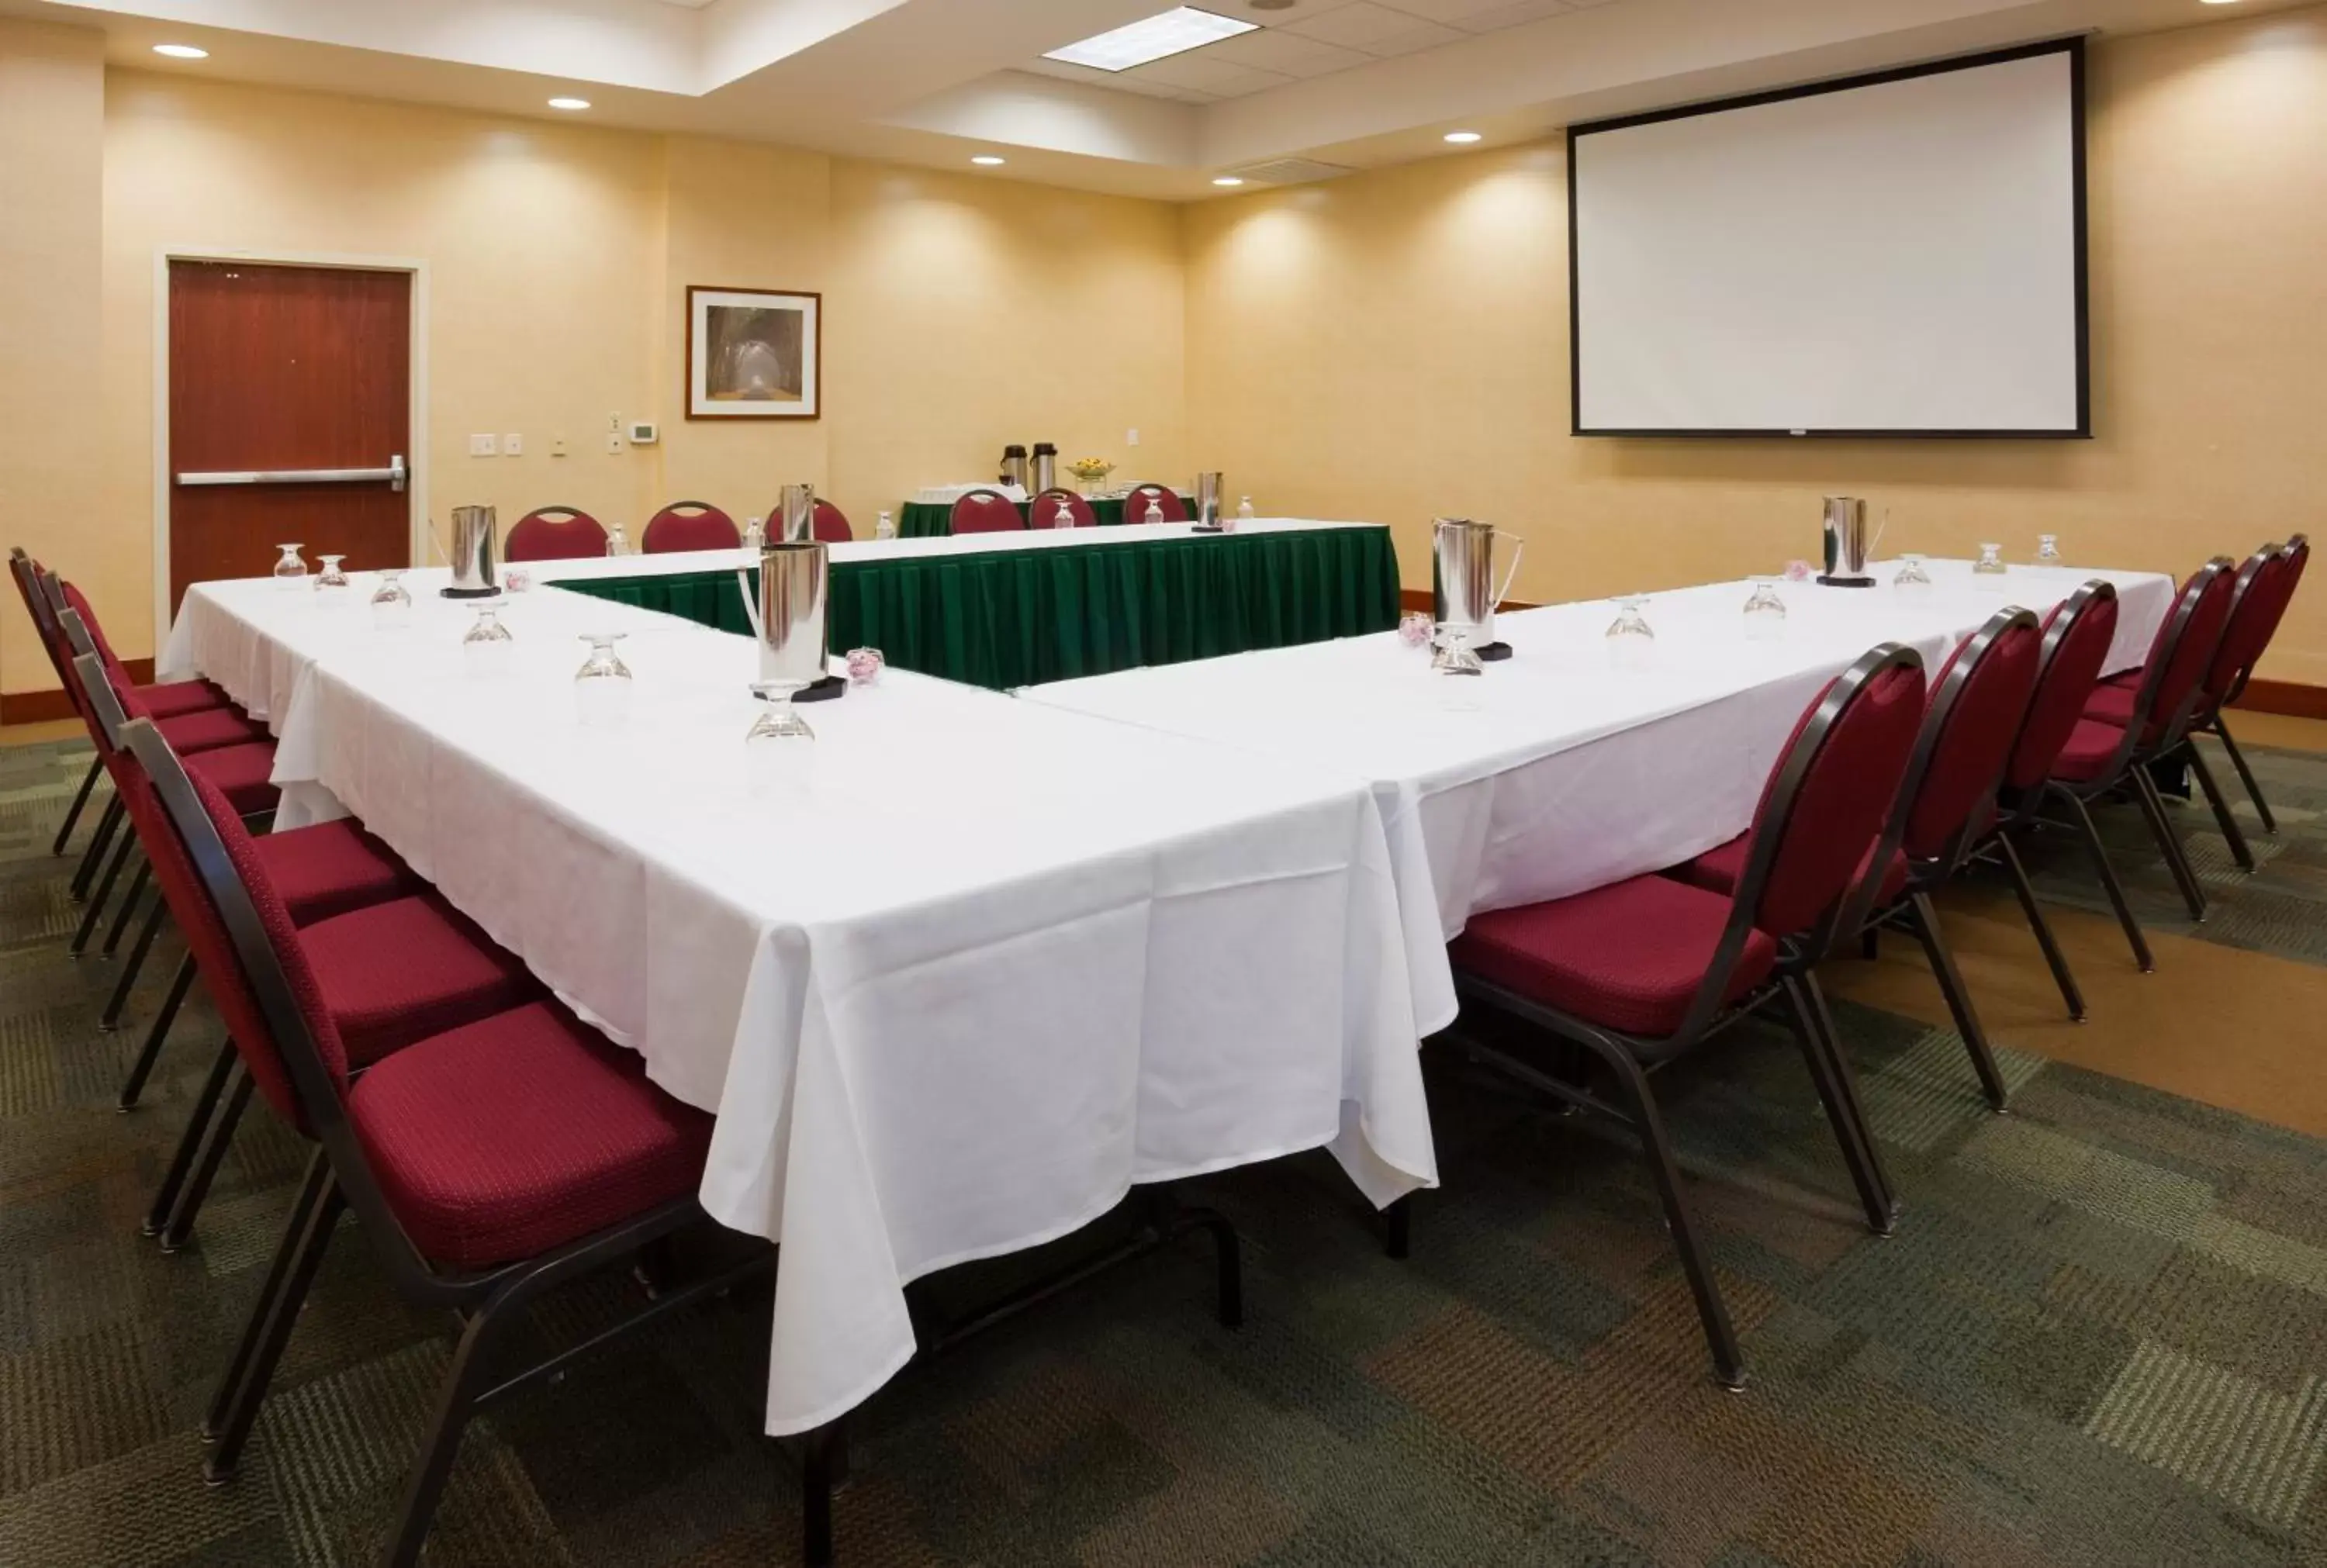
(558, 446)
(1131, 438)
(512, 444)
(480, 446)
(614, 443)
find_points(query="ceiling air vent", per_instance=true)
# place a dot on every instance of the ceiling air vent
(1289, 171)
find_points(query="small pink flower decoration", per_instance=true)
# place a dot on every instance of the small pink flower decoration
(1798, 571)
(865, 666)
(1413, 629)
(517, 581)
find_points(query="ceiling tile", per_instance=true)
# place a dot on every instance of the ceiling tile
(1376, 29)
(1466, 13)
(1222, 78)
(1493, 18)
(1271, 15)
(1271, 50)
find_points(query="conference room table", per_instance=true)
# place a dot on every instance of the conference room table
(1556, 771)
(952, 977)
(1010, 608)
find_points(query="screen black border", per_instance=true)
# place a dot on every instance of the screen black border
(2074, 48)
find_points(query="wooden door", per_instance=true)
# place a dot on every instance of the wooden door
(277, 368)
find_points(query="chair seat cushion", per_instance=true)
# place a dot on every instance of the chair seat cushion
(172, 699)
(2129, 681)
(1718, 870)
(1628, 957)
(332, 868)
(2091, 746)
(393, 972)
(2111, 703)
(521, 1132)
(209, 729)
(243, 774)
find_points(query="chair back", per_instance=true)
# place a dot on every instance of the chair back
(2247, 630)
(197, 915)
(26, 571)
(1136, 501)
(984, 511)
(689, 526)
(828, 523)
(2293, 555)
(555, 534)
(1830, 808)
(1976, 711)
(2078, 636)
(1042, 511)
(2169, 693)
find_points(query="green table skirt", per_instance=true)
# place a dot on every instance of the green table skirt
(933, 520)
(1012, 618)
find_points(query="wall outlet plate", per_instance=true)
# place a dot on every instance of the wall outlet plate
(643, 432)
(512, 445)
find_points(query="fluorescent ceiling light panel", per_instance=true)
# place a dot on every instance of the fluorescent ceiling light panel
(1175, 32)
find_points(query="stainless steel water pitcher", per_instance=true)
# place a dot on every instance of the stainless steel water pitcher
(1208, 487)
(472, 553)
(1465, 598)
(1845, 543)
(1046, 469)
(795, 518)
(793, 574)
(1014, 466)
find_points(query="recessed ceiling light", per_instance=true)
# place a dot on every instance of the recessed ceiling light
(1175, 32)
(569, 103)
(181, 51)
(1227, 180)
(988, 160)
(1462, 138)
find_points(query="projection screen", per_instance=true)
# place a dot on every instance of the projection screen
(1901, 254)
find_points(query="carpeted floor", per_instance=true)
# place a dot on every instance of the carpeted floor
(2099, 1336)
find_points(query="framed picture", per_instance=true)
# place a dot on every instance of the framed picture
(754, 354)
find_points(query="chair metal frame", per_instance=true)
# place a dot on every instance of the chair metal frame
(340, 1179)
(1080, 507)
(670, 510)
(29, 575)
(2295, 554)
(982, 495)
(1175, 508)
(2128, 766)
(1914, 910)
(1630, 1058)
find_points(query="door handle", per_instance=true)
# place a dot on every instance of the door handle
(395, 473)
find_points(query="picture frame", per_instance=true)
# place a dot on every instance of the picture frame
(754, 353)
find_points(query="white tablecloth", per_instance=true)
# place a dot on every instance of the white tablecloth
(1555, 773)
(955, 977)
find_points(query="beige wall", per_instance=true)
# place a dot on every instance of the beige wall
(960, 312)
(52, 121)
(1394, 345)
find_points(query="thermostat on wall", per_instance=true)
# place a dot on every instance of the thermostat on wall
(643, 432)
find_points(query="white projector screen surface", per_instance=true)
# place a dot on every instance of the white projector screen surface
(1899, 254)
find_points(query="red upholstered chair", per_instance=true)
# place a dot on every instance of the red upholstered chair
(1042, 511)
(2258, 599)
(2101, 756)
(97, 689)
(1639, 971)
(984, 511)
(391, 962)
(486, 1162)
(1166, 499)
(555, 534)
(689, 526)
(2297, 555)
(829, 523)
(1975, 717)
(326, 869)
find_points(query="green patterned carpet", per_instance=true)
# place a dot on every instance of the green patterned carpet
(2099, 1338)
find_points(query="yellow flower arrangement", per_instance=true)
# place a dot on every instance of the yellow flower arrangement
(1090, 470)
